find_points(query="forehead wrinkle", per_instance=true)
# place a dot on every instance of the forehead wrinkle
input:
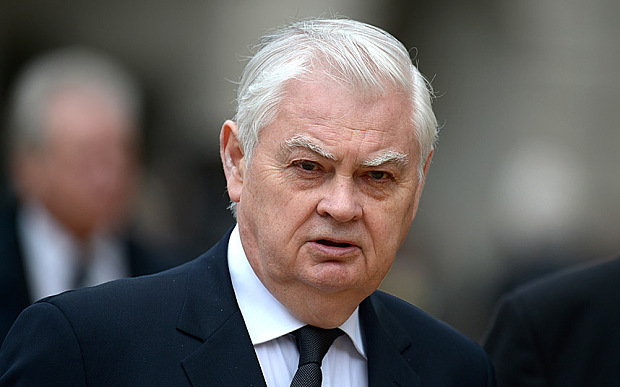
(389, 157)
(304, 142)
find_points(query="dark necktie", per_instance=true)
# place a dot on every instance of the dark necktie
(313, 343)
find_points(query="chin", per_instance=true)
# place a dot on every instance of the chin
(340, 286)
(332, 277)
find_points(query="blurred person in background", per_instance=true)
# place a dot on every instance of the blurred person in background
(74, 165)
(560, 330)
(325, 165)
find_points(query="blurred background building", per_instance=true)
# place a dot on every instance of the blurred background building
(526, 176)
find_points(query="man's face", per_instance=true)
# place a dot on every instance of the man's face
(328, 198)
(86, 169)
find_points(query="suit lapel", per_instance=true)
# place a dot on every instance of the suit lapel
(211, 314)
(386, 346)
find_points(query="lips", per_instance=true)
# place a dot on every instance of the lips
(336, 249)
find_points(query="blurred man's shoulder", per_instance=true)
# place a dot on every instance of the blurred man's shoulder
(588, 280)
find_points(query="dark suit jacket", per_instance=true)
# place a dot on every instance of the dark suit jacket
(563, 330)
(183, 327)
(14, 293)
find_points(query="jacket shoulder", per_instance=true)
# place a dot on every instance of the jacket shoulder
(437, 351)
(158, 290)
(413, 320)
(560, 328)
(122, 301)
(581, 286)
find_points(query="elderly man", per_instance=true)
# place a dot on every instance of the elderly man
(74, 158)
(325, 165)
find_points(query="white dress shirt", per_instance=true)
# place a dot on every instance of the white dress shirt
(269, 324)
(51, 254)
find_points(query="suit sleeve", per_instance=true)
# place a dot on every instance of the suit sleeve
(512, 347)
(41, 349)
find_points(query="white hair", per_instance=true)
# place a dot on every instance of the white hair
(69, 68)
(355, 54)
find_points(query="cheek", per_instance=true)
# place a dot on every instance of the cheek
(280, 202)
(59, 180)
(388, 226)
(404, 213)
(265, 213)
(391, 221)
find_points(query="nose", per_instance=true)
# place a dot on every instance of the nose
(339, 201)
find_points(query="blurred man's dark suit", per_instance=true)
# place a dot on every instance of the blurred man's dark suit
(14, 293)
(184, 327)
(563, 330)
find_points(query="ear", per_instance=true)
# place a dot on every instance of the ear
(428, 162)
(233, 159)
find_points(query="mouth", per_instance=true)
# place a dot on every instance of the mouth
(336, 249)
(327, 242)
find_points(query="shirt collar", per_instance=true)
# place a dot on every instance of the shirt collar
(265, 317)
(51, 253)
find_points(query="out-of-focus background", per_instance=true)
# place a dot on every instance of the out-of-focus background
(525, 179)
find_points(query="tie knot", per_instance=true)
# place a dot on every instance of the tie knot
(313, 343)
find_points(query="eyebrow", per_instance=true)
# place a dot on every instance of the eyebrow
(303, 142)
(389, 157)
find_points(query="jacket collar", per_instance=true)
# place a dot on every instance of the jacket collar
(387, 346)
(211, 315)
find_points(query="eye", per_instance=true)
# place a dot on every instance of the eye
(307, 165)
(379, 175)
